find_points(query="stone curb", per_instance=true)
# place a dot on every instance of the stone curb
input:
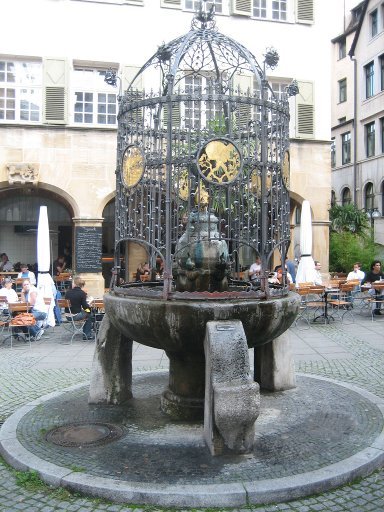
(268, 491)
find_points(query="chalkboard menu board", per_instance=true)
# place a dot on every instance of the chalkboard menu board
(88, 242)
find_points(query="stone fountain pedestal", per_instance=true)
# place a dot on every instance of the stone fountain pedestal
(179, 328)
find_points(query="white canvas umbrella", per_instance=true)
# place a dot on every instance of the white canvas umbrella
(306, 268)
(45, 284)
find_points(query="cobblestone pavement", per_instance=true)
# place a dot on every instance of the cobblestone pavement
(349, 353)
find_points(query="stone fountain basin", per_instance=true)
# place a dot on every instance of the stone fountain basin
(179, 326)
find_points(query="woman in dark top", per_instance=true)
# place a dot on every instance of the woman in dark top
(375, 274)
(80, 309)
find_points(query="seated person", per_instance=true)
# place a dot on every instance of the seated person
(318, 279)
(59, 265)
(255, 271)
(290, 266)
(26, 273)
(356, 273)
(8, 292)
(39, 309)
(5, 264)
(375, 274)
(279, 275)
(80, 308)
(159, 266)
(142, 270)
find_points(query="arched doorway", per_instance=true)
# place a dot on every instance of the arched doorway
(19, 211)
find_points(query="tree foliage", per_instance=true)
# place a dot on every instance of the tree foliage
(350, 239)
(346, 248)
(348, 218)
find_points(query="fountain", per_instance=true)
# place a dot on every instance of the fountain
(202, 183)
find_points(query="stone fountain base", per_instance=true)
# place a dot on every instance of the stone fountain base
(315, 437)
(179, 327)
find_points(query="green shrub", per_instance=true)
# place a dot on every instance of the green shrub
(345, 248)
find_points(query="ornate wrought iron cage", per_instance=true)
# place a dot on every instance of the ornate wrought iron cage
(203, 153)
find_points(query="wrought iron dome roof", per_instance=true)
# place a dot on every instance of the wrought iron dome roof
(203, 51)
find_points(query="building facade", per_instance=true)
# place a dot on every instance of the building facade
(358, 113)
(58, 116)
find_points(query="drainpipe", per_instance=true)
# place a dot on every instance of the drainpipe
(354, 130)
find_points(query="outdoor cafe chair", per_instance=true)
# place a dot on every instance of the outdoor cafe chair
(15, 309)
(97, 306)
(302, 317)
(316, 303)
(19, 284)
(74, 326)
(342, 302)
(63, 281)
(4, 317)
(377, 300)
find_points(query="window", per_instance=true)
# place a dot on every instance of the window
(373, 22)
(342, 120)
(279, 88)
(342, 90)
(369, 74)
(369, 196)
(193, 5)
(346, 197)
(333, 198)
(271, 9)
(94, 102)
(382, 134)
(20, 91)
(260, 8)
(346, 148)
(370, 139)
(381, 63)
(279, 9)
(342, 48)
(193, 85)
(333, 153)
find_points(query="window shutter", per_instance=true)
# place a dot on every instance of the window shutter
(175, 115)
(242, 86)
(128, 74)
(242, 7)
(55, 82)
(304, 11)
(171, 4)
(305, 111)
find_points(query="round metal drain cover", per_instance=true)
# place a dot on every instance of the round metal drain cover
(84, 434)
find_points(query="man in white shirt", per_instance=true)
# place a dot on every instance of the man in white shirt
(26, 274)
(318, 279)
(39, 310)
(255, 270)
(8, 292)
(356, 273)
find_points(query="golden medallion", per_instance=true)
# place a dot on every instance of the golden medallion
(132, 166)
(219, 161)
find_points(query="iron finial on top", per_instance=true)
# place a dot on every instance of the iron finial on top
(204, 15)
